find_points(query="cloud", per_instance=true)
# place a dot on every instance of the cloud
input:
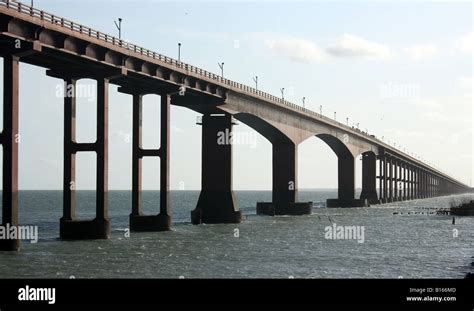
(353, 46)
(465, 43)
(426, 103)
(466, 84)
(422, 51)
(297, 49)
(307, 51)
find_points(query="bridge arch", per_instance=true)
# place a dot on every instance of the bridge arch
(284, 161)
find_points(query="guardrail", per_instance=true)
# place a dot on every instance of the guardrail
(76, 27)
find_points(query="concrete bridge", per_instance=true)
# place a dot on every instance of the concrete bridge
(71, 51)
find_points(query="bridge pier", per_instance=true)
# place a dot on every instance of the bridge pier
(390, 184)
(284, 183)
(403, 191)
(385, 179)
(162, 221)
(396, 181)
(369, 185)
(423, 184)
(10, 139)
(216, 202)
(99, 228)
(346, 184)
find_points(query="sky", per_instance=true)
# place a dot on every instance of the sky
(401, 70)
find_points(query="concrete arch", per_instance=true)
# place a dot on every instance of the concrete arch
(345, 167)
(338, 146)
(266, 129)
(284, 168)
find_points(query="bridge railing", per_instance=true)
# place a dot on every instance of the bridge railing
(84, 30)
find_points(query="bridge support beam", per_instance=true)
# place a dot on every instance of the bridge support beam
(425, 184)
(284, 184)
(10, 140)
(385, 179)
(346, 185)
(396, 180)
(70, 227)
(416, 191)
(162, 221)
(405, 181)
(216, 202)
(369, 185)
(390, 185)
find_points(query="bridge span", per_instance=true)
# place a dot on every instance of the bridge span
(71, 51)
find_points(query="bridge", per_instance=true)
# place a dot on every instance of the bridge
(71, 51)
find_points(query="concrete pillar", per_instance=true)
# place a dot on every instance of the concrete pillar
(428, 185)
(412, 183)
(98, 228)
(381, 179)
(284, 183)
(136, 158)
(396, 179)
(416, 192)
(284, 170)
(385, 179)
(10, 141)
(428, 176)
(405, 182)
(420, 184)
(346, 178)
(390, 190)
(102, 207)
(346, 184)
(369, 184)
(69, 157)
(162, 221)
(423, 184)
(216, 202)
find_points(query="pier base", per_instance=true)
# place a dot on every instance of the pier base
(347, 203)
(84, 229)
(223, 215)
(9, 245)
(294, 209)
(140, 223)
(216, 203)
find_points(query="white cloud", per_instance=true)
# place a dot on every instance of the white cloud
(307, 51)
(426, 103)
(351, 46)
(466, 84)
(297, 49)
(465, 43)
(422, 51)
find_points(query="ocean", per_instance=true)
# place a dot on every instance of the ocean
(401, 240)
